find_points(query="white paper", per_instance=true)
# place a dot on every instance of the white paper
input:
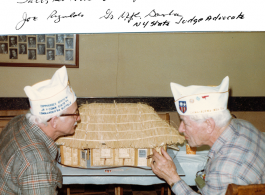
(116, 16)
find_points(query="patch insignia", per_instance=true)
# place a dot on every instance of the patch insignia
(191, 100)
(183, 106)
(197, 98)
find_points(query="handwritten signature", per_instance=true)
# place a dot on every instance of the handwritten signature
(25, 19)
(59, 17)
(154, 13)
(34, 1)
(129, 16)
(126, 16)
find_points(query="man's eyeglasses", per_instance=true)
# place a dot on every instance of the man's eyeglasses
(75, 114)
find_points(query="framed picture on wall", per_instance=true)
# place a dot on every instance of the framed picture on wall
(43, 50)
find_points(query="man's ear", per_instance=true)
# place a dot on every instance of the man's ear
(210, 125)
(53, 122)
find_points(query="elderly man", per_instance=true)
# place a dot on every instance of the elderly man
(237, 153)
(28, 153)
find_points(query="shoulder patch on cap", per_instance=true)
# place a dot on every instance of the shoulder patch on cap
(183, 106)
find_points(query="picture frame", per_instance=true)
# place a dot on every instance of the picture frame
(42, 50)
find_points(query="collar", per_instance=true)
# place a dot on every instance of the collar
(49, 142)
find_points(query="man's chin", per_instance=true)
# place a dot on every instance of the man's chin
(72, 132)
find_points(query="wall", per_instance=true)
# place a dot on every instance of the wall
(255, 118)
(118, 65)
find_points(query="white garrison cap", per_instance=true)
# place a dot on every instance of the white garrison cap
(196, 99)
(51, 96)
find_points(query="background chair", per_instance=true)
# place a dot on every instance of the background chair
(252, 189)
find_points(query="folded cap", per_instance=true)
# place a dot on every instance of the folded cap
(51, 96)
(196, 99)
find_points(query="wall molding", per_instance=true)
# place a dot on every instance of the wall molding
(160, 104)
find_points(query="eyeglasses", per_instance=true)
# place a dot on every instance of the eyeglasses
(75, 114)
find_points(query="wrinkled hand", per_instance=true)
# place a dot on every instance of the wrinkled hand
(164, 167)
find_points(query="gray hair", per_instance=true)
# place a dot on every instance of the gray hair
(220, 118)
(35, 119)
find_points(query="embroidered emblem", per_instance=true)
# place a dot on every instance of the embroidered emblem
(191, 100)
(183, 106)
(197, 98)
